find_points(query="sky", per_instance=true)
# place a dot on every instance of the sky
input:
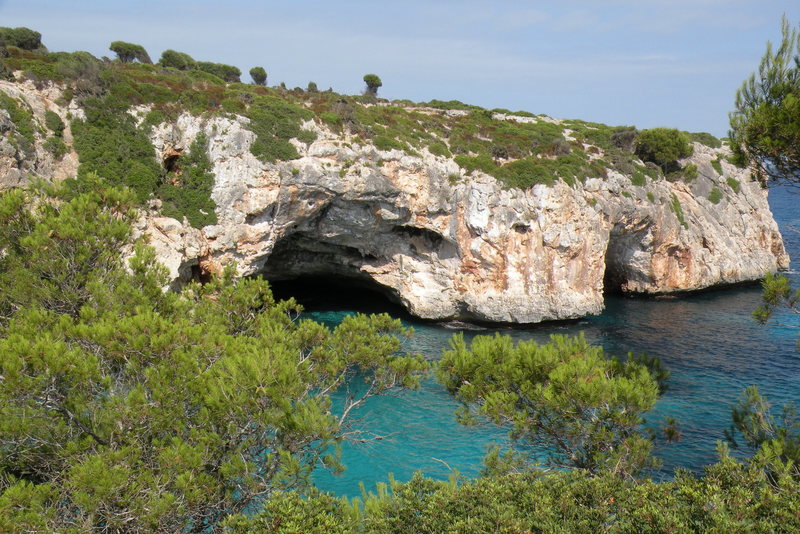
(647, 63)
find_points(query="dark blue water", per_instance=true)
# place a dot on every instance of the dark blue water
(708, 341)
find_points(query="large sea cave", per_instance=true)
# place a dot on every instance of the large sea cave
(326, 276)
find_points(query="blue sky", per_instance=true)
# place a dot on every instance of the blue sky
(642, 62)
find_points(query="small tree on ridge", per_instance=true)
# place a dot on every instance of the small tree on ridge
(373, 82)
(128, 52)
(259, 75)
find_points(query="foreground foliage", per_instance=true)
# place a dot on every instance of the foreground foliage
(124, 408)
(728, 497)
(774, 440)
(565, 396)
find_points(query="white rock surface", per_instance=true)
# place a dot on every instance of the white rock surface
(471, 249)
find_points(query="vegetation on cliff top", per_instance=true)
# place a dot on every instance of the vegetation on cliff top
(519, 149)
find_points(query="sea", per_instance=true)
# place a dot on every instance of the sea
(708, 341)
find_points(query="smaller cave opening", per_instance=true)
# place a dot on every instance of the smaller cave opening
(320, 293)
(628, 257)
(408, 232)
(613, 282)
(200, 275)
(617, 258)
(171, 159)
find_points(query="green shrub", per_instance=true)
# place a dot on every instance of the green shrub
(638, 178)
(54, 123)
(373, 83)
(663, 146)
(689, 172)
(383, 142)
(450, 104)
(705, 138)
(229, 73)
(82, 70)
(293, 512)
(715, 196)
(177, 60)
(728, 496)
(624, 138)
(332, 119)
(677, 209)
(23, 38)
(154, 118)
(525, 173)
(437, 148)
(23, 138)
(204, 77)
(651, 197)
(110, 144)
(233, 105)
(476, 163)
(306, 136)
(186, 191)
(259, 75)
(275, 121)
(734, 184)
(55, 145)
(128, 52)
(716, 163)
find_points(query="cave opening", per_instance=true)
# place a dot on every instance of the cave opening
(617, 258)
(327, 276)
(614, 279)
(320, 293)
(171, 160)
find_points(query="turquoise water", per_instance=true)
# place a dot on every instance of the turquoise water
(708, 341)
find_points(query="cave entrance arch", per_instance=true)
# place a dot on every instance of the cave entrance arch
(627, 258)
(324, 276)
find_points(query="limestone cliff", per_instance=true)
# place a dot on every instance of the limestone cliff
(445, 243)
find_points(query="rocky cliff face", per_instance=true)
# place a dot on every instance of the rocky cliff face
(447, 245)
(453, 246)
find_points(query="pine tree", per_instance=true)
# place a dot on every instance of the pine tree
(127, 408)
(565, 397)
(765, 127)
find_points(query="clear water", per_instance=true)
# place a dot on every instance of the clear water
(708, 341)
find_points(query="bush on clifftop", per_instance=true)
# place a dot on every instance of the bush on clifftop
(664, 147)
(127, 52)
(177, 60)
(23, 38)
(259, 75)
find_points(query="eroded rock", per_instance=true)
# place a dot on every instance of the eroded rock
(470, 249)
